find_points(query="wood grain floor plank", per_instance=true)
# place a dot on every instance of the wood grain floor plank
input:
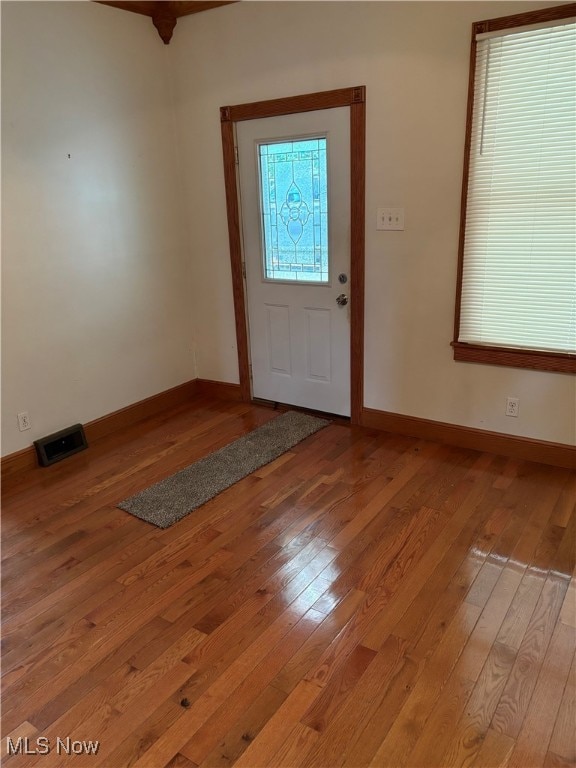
(293, 751)
(179, 761)
(555, 761)
(408, 725)
(240, 699)
(279, 726)
(93, 644)
(534, 737)
(450, 582)
(472, 728)
(81, 587)
(64, 702)
(566, 505)
(486, 630)
(474, 491)
(308, 655)
(398, 690)
(568, 610)
(563, 741)
(390, 669)
(338, 689)
(439, 728)
(564, 561)
(519, 614)
(235, 742)
(516, 697)
(495, 750)
(209, 702)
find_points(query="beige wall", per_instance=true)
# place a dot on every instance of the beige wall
(413, 58)
(115, 260)
(95, 301)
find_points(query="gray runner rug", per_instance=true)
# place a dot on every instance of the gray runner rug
(172, 499)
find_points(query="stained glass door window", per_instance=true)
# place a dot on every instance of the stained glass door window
(294, 210)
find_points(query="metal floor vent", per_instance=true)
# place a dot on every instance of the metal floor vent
(60, 445)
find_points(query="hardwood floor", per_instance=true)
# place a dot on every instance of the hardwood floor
(366, 600)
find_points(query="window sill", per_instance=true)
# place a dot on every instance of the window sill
(515, 358)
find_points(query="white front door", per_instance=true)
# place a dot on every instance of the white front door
(294, 174)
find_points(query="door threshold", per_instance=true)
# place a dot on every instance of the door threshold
(283, 407)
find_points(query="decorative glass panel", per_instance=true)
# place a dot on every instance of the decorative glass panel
(294, 205)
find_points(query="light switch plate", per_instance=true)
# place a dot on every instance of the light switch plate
(390, 218)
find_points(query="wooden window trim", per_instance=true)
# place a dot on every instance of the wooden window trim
(355, 99)
(515, 358)
(557, 362)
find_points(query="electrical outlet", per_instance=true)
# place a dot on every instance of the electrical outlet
(24, 421)
(512, 406)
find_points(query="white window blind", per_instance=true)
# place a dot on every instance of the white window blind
(519, 268)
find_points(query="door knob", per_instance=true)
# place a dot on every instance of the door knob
(342, 300)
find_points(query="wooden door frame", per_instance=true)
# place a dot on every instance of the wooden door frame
(355, 99)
